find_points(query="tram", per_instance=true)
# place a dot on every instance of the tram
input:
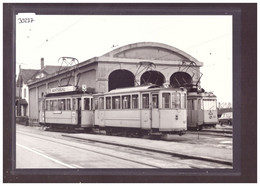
(202, 110)
(66, 107)
(142, 110)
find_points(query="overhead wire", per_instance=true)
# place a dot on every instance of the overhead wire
(60, 32)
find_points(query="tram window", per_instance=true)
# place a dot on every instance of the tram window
(61, 104)
(95, 104)
(155, 100)
(174, 100)
(74, 104)
(134, 101)
(55, 105)
(67, 105)
(126, 102)
(108, 102)
(86, 104)
(101, 103)
(145, 100)
(116, 102)
(209, 104)
(178, 102)
(185, 100)
(182, 101)
(47, 106)
(79, 104)
(51, 105)
(166, 100)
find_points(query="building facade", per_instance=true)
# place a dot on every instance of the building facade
(22, 90)
(130, 65)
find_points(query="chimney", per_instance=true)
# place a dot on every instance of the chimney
(42, 63)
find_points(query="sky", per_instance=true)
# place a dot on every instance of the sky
(206, 38)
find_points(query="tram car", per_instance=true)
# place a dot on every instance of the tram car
(141, 110)
(202, 110)
(66, 107)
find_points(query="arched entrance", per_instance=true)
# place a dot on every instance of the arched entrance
(153, 77)
(181, 79)
(120, 79)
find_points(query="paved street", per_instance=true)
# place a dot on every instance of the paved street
(34, 151)
(36, 148)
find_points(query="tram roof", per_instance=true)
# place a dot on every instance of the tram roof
(134, 89)
(70, 94)
(202, 94)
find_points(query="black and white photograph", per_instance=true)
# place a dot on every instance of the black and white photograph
(125, 92)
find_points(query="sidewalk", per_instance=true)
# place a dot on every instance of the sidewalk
(214, 154)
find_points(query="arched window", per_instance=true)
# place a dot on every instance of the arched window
(154, 77)
(180, 79)
(120, 79)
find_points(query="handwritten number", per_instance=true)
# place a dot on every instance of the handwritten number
(26, 20)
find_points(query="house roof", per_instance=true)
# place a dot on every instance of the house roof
(25, 75)
(21, 102)
(30, 74)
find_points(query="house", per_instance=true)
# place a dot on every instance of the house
(22, 90)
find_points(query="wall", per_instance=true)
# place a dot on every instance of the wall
(53, 84)
(88, 78)
(26, 97)
(33, 104)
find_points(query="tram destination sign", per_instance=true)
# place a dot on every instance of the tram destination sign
(62, 89)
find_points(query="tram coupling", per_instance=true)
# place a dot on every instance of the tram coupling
(182, 132)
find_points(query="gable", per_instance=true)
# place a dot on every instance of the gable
(152, 51)
(25, 75)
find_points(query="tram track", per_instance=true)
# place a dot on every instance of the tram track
(95, 151)
(212, 133)
(227, 131)
(223, 132)
(148, 152)
(175, 154)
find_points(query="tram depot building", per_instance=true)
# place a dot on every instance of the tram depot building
(127, 66)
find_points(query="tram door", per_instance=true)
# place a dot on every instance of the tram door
(200, 114)
(155, 110)
(145, 111)
(79, 110)
(193, 119)
(76, 114)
